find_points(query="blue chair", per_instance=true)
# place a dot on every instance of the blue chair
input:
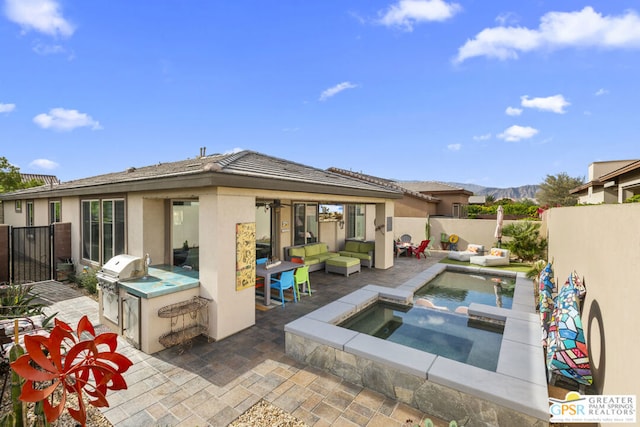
(284, 282)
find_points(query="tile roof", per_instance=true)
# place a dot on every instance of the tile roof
(47, 179)
(244, 168)
(429, 186)
(385, 182)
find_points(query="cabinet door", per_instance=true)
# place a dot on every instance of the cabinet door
(131, 318)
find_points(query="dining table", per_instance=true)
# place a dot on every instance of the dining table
(267, 270)
(405, 247)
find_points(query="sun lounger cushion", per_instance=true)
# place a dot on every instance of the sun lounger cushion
(497, 256)
(465, 255)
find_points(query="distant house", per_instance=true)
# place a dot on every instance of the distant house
(453, 200)
(610, 182)
(26, 177)
(412, 204)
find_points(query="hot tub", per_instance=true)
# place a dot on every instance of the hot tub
(514, 394)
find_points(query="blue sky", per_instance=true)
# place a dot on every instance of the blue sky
(495, 93)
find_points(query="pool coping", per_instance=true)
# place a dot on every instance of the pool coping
(519, 382)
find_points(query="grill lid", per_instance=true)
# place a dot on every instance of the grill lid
(124, 267)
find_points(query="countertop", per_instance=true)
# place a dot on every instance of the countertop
(162, 280)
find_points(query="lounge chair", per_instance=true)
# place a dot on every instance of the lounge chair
(472, 250)
(497, 256)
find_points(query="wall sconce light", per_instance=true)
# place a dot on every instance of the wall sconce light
(341, 224)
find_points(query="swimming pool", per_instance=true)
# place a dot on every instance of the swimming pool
(515, 393)
(454, 289)
(449, 335)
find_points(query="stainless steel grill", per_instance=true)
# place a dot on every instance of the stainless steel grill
(118, 269)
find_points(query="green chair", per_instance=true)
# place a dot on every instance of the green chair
(302, 276)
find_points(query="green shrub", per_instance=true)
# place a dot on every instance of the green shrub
(18, 301)
(525, 241)
(517, 208)
(88, 280)
(633, 199)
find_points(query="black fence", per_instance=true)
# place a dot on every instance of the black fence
(31, 254)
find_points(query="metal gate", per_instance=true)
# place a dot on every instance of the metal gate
(31, 254)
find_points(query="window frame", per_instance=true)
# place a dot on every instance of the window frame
(101, 250)
(30, 213)
(55, 211)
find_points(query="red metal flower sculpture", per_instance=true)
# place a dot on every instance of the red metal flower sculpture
(73, 362)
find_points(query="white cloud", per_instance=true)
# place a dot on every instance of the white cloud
(7, 108)
(454, 147)
(516, 133)
(482, 137)
(44, 164)
(557, 30)
(555, 103)
(65, 120)
(50, 49)
(44, 16)
(601, 91)
(512, 111)
(332, 91)
(406, 13)
(507, 18)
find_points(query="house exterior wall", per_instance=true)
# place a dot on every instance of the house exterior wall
(445, 207)
(413, 208)
(601, 244)
(13, 218)
(597, 169)
(628, 186)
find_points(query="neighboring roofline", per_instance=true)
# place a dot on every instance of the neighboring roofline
(586, 186)
(46, 179)
(384, 182)
(453, 189)
(216, 170)
(631, 167)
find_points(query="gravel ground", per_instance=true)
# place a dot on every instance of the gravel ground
(264, 414)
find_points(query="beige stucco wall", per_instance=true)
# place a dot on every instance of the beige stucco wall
(476, 231)
(13, 218)
(602, 244)
(414, 208)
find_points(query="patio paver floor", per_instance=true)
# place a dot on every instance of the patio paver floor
(212, 383)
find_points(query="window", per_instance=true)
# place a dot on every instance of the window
(112, 228)
(55, 213)
(103, 229)
(305, 223)
(30, 216)
(355, 222)
(18, 206)
(185, 234)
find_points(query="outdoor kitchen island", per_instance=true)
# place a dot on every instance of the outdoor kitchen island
(160, 307)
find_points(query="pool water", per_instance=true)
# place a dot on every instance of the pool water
(446, 334)
(452, 289)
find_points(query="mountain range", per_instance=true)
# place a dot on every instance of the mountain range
(515, 193)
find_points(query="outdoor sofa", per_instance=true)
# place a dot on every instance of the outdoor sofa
(362, 250)
(472, 250)
(313, 254)
(497, 256)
